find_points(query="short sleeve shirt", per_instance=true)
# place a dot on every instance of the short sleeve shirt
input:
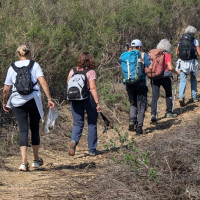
(196, 43)
(147, 62)
(167, 59)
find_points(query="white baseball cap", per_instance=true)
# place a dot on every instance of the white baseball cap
(136, 43)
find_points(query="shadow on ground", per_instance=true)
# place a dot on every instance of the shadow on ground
(90, 165)
(162, 125)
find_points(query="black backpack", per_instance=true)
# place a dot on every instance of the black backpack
(187, 49)
(24, 84)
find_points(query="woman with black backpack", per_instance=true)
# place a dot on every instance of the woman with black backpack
(23, 76)
(82, 94)
(187, 51)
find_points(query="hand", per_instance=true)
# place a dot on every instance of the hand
(98, 108)
(51, 104)
(5, 108)
(178, 72)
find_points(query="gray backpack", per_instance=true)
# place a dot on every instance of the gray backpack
(77, 88)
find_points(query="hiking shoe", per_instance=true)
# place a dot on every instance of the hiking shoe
(92, 153)
(132, 124)
(169, 115)
(24, 167)
(182, 102)
(139, 130)
(195, 99)
(37, 163)
(72, 148)
(153, 118)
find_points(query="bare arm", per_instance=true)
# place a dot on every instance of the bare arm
(45, 87)
(171, 68)
(6, 89)
(177, 51)
(68, 78)
(150, 66)
(94, 93)
(198, 50)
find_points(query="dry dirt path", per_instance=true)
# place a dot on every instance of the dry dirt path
(65, 177)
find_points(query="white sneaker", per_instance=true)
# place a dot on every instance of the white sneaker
(37, 163)
(24, 167)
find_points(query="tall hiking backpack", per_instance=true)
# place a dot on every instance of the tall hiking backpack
(157, 56)
(77, 88)
(24, 84)
(186, 47)
(132, 66)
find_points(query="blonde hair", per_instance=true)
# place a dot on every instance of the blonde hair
(24, 49)
(191, 29)
(164, 44)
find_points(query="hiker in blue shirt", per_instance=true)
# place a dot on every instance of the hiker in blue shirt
(137, 91)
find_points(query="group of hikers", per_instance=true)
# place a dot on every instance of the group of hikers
(25, 76)
(136, 65)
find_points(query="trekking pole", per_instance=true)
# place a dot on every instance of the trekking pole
(175, 94)
(175, 89)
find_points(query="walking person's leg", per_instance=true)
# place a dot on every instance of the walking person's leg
(167, 85)
(182, 87)
(22, 120)
(132, 94)
(92, 125)
(34, 116)
(141, 108)
(155, 96)
(193, 81)
(77, 109)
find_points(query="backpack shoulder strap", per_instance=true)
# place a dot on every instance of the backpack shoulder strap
(142, 57)
(30, 65)
(74, 70)
(14, 67)
(87, 70)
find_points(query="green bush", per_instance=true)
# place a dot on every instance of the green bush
(59, 30)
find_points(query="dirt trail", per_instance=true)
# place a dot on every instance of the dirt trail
(65, 177)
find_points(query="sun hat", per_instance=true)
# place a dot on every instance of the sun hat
(136, 43)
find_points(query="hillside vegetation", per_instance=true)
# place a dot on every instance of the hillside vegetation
(60, 29)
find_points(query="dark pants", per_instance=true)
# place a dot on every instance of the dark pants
(22, 113)
(166, 83)
(78, 110)
(138, 102)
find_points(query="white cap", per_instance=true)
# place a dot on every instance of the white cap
(136, 43)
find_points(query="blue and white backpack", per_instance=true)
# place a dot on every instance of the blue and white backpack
(131, 66)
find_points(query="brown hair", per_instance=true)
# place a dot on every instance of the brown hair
(85, 60)
(24, 49)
